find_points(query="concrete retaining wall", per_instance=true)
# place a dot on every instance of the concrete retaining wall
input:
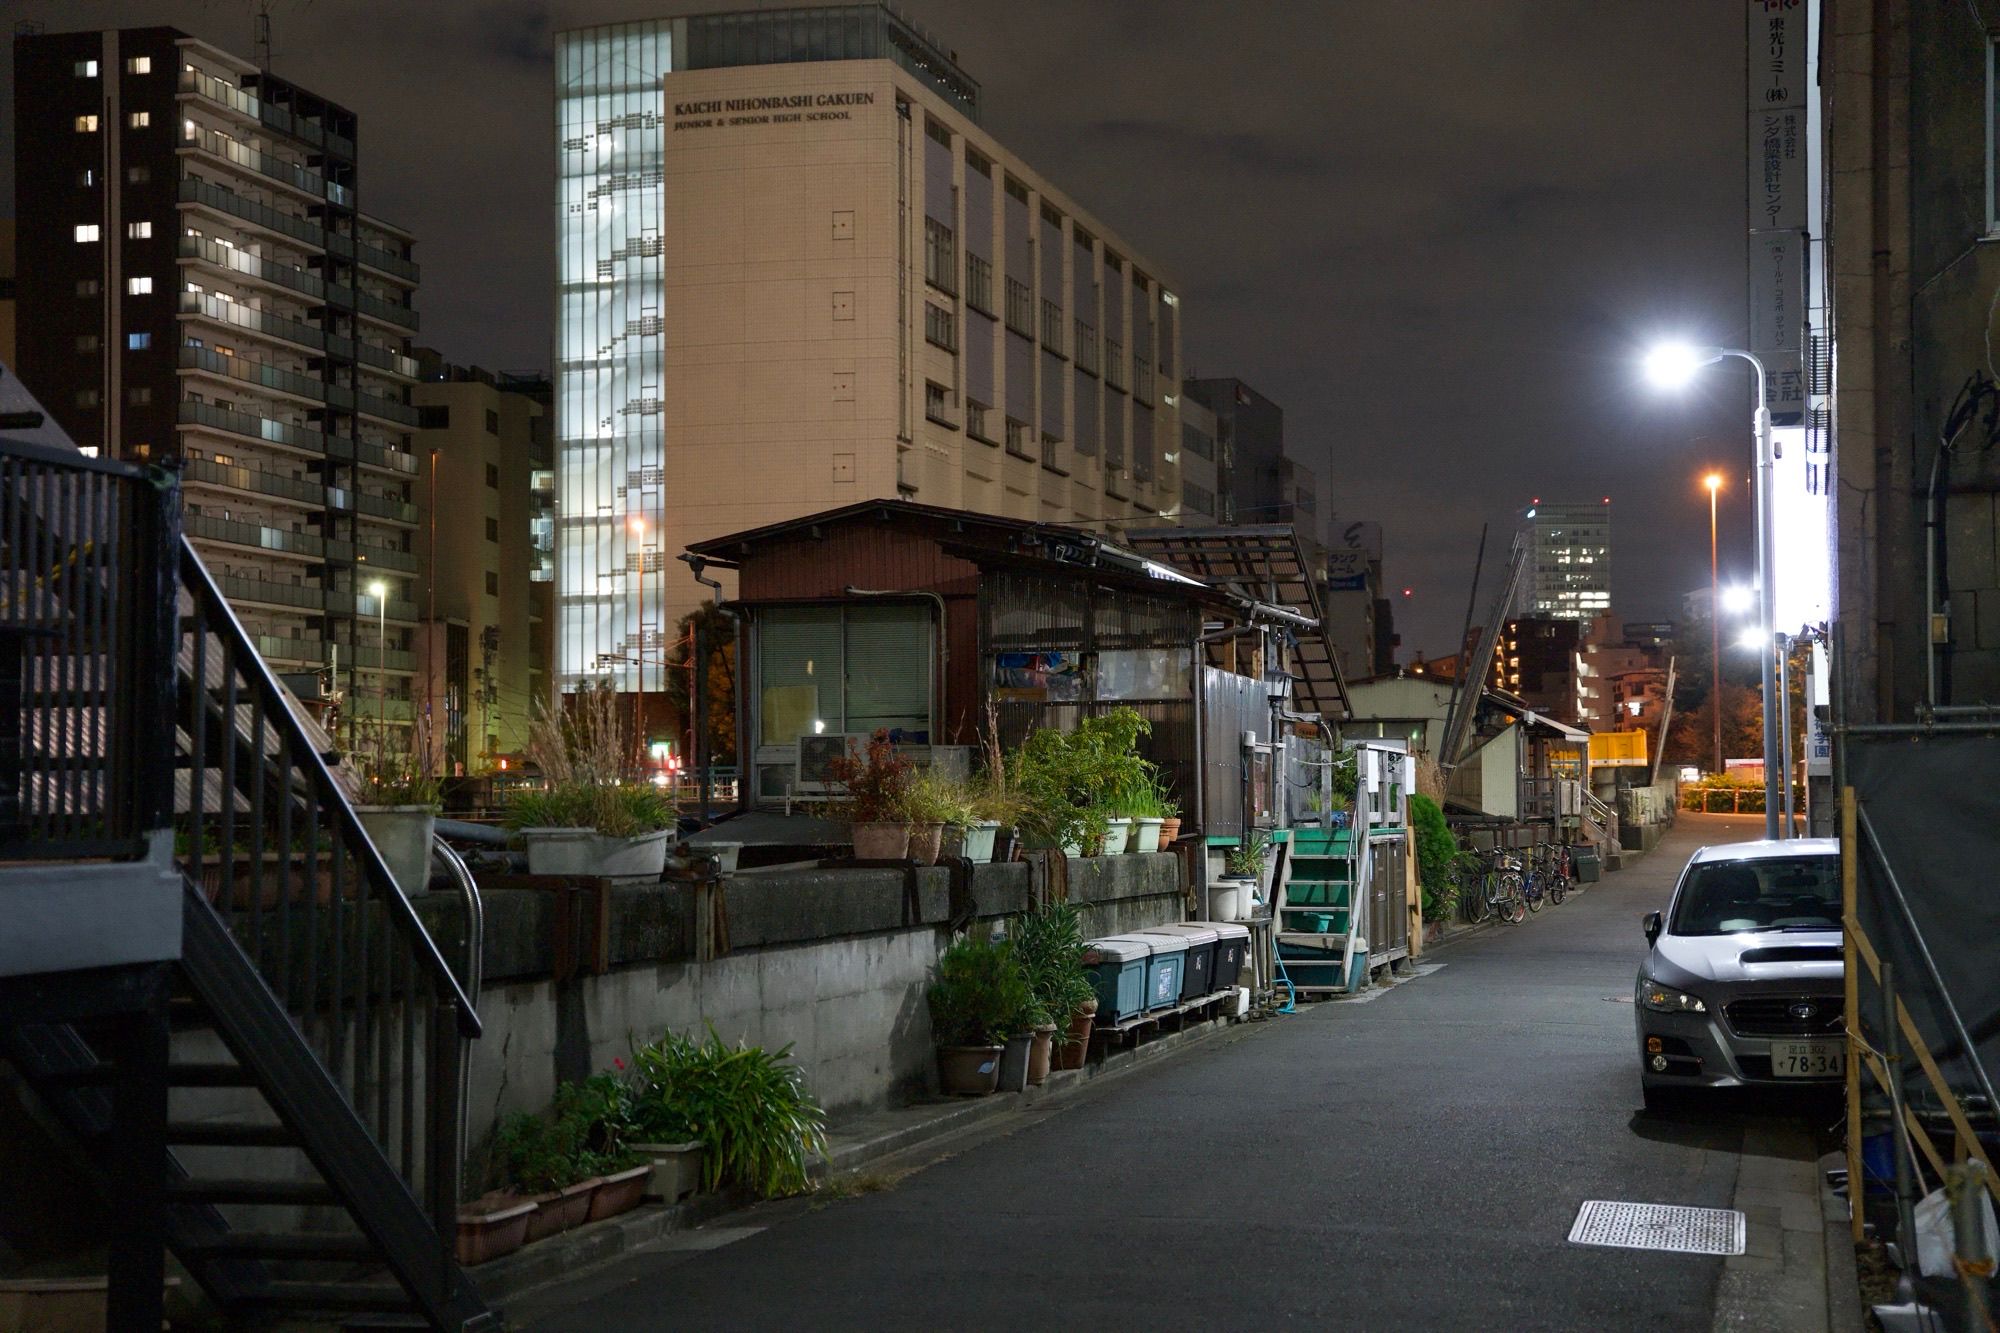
(832, 962)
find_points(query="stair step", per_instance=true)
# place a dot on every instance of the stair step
(327, 1296)
(331, 1246)
(228, 1135)
(241, 1190)
(209, 1074)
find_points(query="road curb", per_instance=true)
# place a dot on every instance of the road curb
(882, 1136)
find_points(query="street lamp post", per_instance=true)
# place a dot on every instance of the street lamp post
(638, 527)
(380, 592)
(1714, 483)
(1674, 364)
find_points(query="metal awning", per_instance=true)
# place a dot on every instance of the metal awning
(1265, 563)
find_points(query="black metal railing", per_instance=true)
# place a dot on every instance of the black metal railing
(269, 836)
(86, 615)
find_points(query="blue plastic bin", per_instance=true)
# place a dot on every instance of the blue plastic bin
(1165, 971)
(1117, 965)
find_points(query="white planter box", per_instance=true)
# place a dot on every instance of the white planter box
(582, 851)
(402, 833)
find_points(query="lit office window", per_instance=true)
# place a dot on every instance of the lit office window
(139, 231)
(86, 232)
(86, 124)
(86, 69)
(139, 120)
(138, 286)
(139, 65)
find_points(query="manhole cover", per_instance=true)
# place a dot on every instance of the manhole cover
(1658, 1226)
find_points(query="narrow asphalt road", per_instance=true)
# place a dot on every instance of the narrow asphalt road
(1412, 1162)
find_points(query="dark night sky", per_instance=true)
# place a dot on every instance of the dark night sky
(1437, 234)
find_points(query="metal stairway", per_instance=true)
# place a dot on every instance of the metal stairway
(309, 1036)
(1317, 904)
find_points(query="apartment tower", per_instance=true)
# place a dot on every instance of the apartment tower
(206, 289)
(1571, 576)
(795, 274)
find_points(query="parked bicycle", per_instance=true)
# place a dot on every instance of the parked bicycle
(1468, 878)
(1558, 872)
(1504, 888)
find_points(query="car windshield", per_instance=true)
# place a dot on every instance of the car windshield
(1769, 893)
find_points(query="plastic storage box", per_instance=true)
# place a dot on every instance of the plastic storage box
(1118, 965)
(1166, 969)
(1198, 975)
(1232, 946)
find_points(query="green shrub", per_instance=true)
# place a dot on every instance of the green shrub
(617, 812)
(981, 995)
(1048, 942)
(748, 1107)
(1437, 851)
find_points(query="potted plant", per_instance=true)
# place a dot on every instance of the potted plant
(545, 1156)
(937, 808)
(398, 802)
(1065, 778)
(587, 819)
(992, 807)
(494, 1224)
(603, 1105)
(876, 787)
(976, 1000)
(746, 1106)
(1170, 816)
(1049, 943)
(1138, 797)
(1233, 896)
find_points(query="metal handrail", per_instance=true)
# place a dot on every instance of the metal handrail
(277, 713)
(1924, 953)
(475, 961)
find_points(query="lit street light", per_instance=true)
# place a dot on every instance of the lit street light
(1713, 481)
(1737, 599)
(1672, 365)
(1750, 639)
(380, 592)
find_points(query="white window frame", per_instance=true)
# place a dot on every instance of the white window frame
(88, 233)
(139, 120)
(139, 231)
(141, 286)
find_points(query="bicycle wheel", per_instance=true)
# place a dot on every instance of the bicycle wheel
(1508, 903)
(1531, 890)
(1472, 904)
(1558, 888)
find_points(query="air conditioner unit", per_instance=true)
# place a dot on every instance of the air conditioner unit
(816, 755)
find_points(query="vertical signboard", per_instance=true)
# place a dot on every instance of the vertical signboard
(1777, 48)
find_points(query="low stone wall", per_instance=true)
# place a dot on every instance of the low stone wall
(833, 963)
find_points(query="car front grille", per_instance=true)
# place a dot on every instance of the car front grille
(1774, 1016)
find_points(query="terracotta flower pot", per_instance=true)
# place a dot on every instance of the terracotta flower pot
(1077, 1046)
(925, 841)
(1039, 1053)
(567, 1207)
(620, 1192)
(492, 1226)
(968, 1070)
(1170, 829)
(881, 842)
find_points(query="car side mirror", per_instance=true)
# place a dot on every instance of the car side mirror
(1655, 923)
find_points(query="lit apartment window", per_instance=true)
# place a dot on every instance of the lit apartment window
(86, 69)
(139, 231)
(139, 120)
(86, 232)
(937, 404)
(139, 65)
(138, 286)
(87, 177)
(138, 342)
(86, 124)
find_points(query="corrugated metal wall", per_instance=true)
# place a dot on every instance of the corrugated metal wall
(1232, 705)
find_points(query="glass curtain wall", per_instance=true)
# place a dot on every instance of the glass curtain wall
(610, 441)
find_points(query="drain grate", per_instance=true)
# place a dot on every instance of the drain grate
(1658, 1226)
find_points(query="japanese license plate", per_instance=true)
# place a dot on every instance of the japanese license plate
(1808, 1059)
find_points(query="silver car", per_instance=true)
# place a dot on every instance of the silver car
(1743, 985)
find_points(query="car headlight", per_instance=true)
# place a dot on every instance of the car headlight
(1666, 1000)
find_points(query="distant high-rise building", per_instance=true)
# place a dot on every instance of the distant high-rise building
(487, 552)
(1536, 660)
(794, 273)
(1571, 578)
(205, 287)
